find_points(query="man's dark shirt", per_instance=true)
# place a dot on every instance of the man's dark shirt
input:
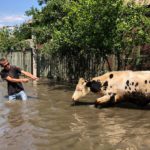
(14, 72)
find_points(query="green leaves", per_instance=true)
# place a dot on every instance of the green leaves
(90, 26)
(7, 41)
(15, 39)
(87, 26)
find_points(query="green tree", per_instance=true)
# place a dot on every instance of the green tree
(7, 40)
(44, 20)
(23, 32)
(91, 27)
(16, 39)
(132, 32)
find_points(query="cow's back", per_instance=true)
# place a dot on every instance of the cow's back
(125, 82)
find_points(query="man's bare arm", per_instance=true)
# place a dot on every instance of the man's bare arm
(29, 75)
(8, 78)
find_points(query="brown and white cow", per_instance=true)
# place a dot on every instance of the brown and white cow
(116, 86)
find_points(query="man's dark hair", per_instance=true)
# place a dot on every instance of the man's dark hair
(3, 61)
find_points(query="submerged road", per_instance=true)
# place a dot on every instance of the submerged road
(47, 121)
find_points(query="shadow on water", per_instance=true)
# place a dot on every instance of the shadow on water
(32, 97)
(123, 105)
(128, 105)
(79, 103)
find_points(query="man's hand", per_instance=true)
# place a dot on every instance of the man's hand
(24, 80)
(28, 74)
(34, 78)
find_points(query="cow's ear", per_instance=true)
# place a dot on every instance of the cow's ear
(81, 80)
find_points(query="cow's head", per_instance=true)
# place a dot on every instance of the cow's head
(84, 87)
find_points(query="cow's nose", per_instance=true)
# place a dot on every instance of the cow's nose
(73, 102)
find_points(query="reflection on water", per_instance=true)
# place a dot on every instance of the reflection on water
(47, 121)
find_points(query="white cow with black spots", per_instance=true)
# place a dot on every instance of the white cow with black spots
(117, 86)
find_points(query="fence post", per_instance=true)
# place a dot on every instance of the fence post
(34, 56)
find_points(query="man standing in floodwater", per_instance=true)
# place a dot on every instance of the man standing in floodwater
(14, 84)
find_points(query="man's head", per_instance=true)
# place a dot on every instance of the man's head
(4, 63)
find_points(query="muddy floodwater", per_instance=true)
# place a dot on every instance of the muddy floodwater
(47, 121)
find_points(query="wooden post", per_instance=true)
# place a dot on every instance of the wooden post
(34, 56)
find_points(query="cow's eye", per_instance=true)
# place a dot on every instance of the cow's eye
(83, 82)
